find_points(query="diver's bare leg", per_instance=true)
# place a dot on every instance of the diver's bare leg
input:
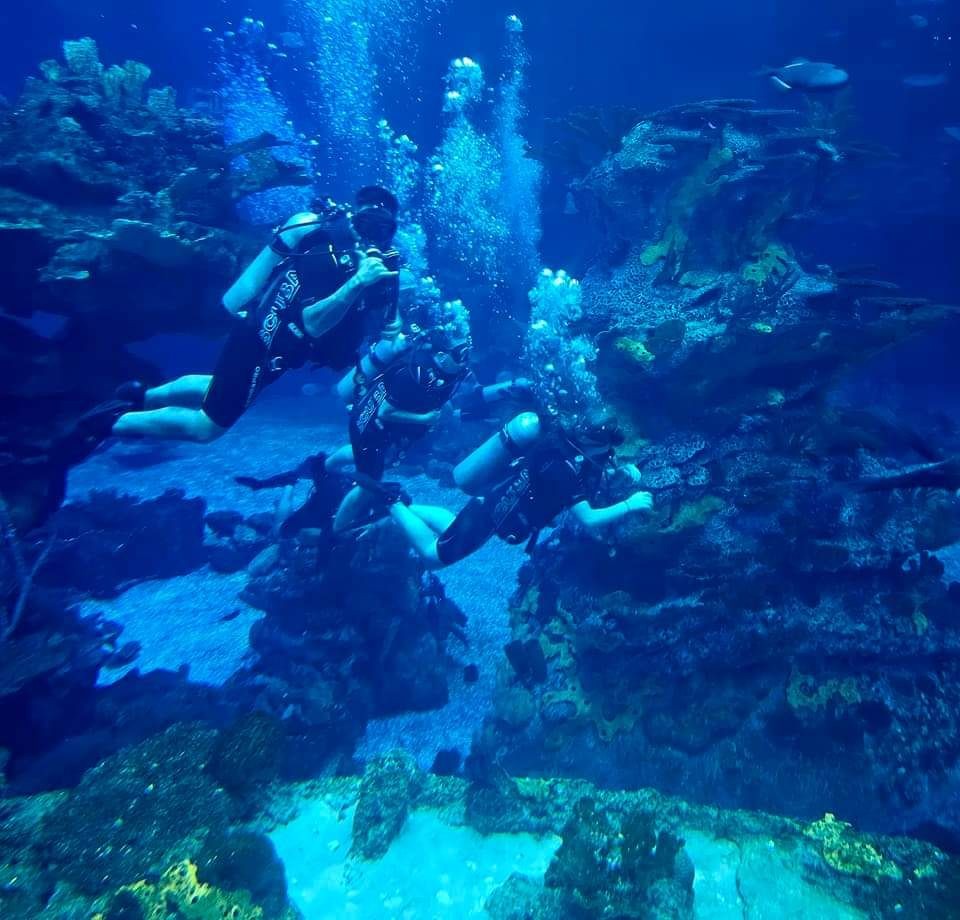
(172, 423)
(492, 458)
(421, 536)
(340, 459)
(187, 392)
(436, 518)
(354, 509)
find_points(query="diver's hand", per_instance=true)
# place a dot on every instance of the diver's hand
(371, 270)
(391, 333)
(520, 388)
(639, 501)
(632, 472)
(425, 418)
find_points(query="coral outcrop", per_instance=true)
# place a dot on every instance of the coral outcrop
(104, 186)
(146, 833)
(117, 214)
(774, 615)
(389, 788)
(617, 865)
(353, 630)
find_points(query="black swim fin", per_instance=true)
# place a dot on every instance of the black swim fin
(133, 392)
(87, 433)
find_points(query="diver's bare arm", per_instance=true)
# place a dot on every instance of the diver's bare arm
(252, 281)
(601, 517)
(393, 414)
(258, 272)
(322, 316)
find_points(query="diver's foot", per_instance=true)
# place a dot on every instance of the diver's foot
(389, 493)
(317, 466)
(133, 392)
(250, 482)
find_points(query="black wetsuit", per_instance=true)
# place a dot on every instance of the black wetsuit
(551, 479)
(411, 384)
(271, 339)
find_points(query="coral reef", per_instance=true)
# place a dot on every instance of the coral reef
(152, 813)
(353, 630)
(617, 865)
(179, 890)
(771, 617)
(387, 791)
(615, 853)
(108, 197)
(56, 720)
(110, 541)
(137, 810)
(125, 188)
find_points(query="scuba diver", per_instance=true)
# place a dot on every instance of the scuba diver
(323, 285)
(396, 404)
(395, 396)
(521, 479)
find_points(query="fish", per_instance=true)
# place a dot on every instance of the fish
(121, 657)
(952, 131)
(918, 21)
(944, 476)
(232, 615)
(925, 80)
(807, 76)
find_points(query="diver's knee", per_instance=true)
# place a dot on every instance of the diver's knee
(199, 383)
(522, 430)
(205, 429)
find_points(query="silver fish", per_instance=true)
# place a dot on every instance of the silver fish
(808, 76)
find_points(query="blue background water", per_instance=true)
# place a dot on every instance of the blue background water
(646, 55)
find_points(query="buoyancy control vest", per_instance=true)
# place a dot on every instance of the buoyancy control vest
(548, 481)
(326, 259)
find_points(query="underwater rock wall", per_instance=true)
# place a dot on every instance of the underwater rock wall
(119, 204)
(56, 719)
(779, 614)
(165, 828)
(118, 212)
(353, 631)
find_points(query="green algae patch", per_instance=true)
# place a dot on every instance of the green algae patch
(803, 692)
(696, 514)
(634, 349)
(847, 852)
(772, 264)
(181, 893)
